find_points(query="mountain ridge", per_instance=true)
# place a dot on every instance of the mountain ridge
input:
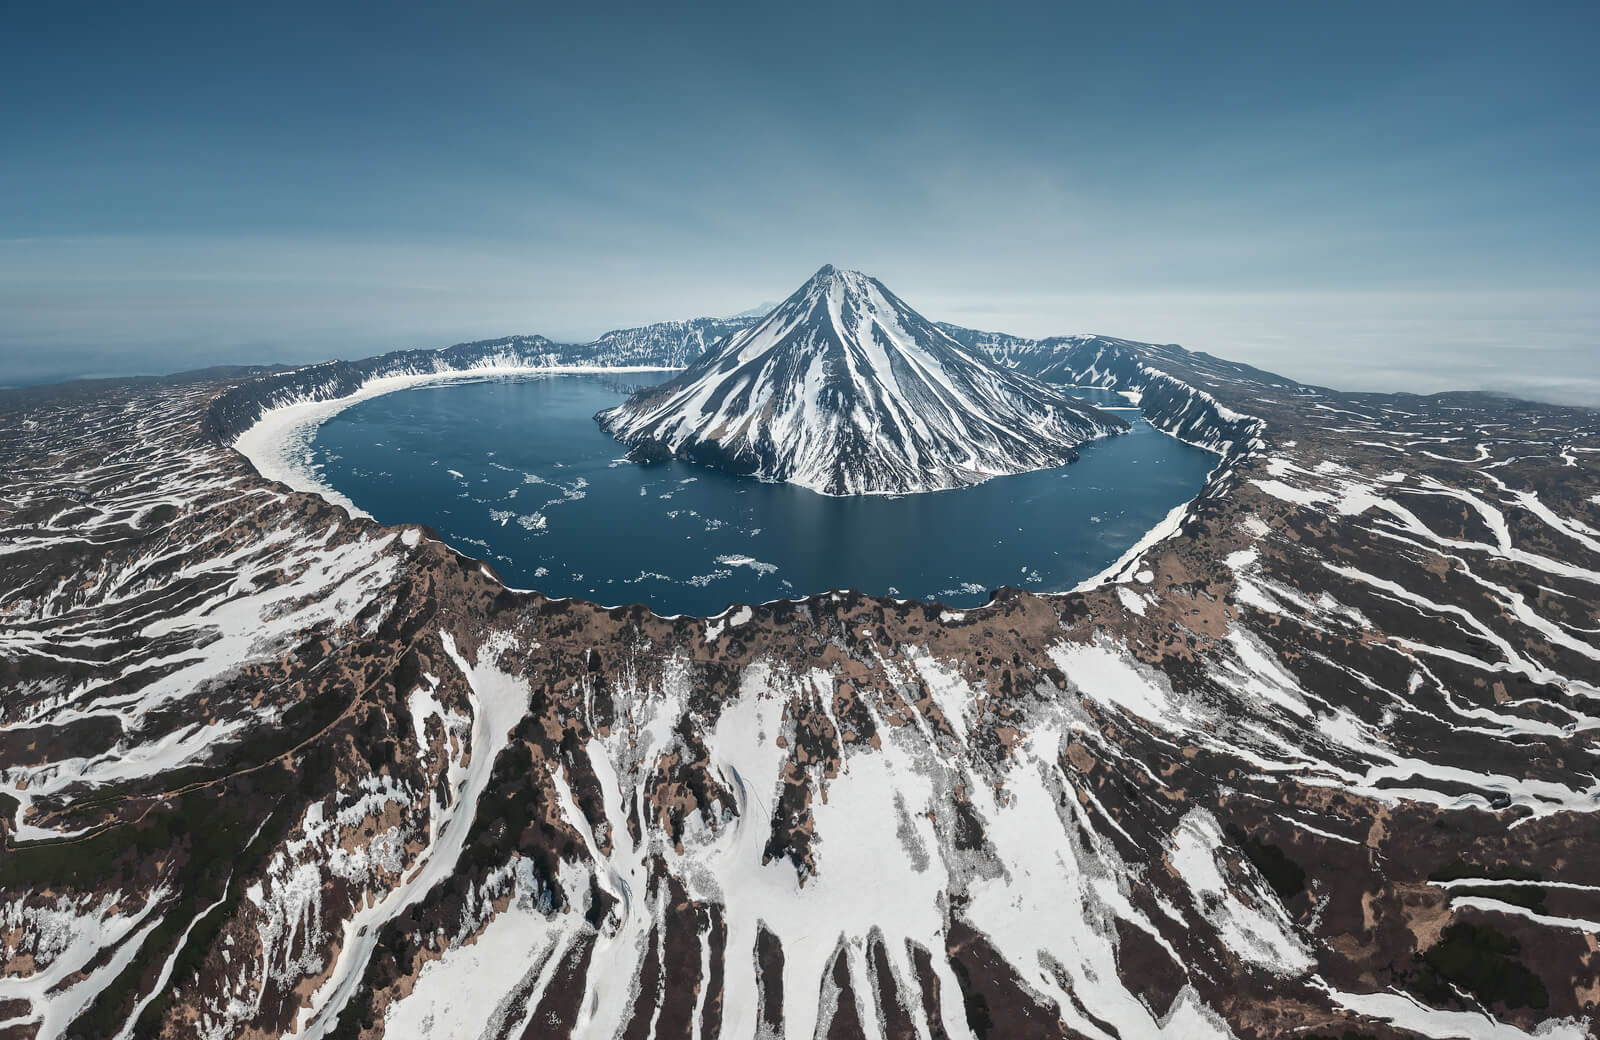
(356, 786)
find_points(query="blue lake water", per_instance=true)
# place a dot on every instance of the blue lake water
(515, 471)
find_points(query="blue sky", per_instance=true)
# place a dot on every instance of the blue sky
(1359, 194)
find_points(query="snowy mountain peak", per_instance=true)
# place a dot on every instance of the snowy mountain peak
(844, 389)
(832, 279)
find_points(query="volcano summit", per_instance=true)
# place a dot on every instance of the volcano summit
(846, 390)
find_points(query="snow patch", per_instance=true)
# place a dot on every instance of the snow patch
(279, 444)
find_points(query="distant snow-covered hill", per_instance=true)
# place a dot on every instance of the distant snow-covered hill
(673, 343)
(845, 389)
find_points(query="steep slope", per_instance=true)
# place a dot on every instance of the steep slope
(1182, 405)
(672, 343)
(1324, 761)
(845, 389)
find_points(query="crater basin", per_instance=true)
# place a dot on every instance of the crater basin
(515, 471)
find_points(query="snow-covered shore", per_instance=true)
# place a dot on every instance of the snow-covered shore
(278, 444)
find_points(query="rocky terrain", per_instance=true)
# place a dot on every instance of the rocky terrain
(676, 344)
(1317, 759)
(846, 390)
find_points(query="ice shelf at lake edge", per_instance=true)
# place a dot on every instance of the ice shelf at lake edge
(278, 444)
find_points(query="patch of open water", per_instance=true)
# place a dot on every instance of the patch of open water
(515, 471)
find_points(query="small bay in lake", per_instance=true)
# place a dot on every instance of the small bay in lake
(516, 472)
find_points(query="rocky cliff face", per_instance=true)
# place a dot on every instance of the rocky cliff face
(675, 344)
(1321, 760)
(1182, 407)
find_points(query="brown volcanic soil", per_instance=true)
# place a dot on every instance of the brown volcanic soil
(1361, 678)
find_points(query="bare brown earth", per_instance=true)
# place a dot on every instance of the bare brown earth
(1324, 762)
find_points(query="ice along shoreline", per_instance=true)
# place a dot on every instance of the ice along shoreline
(278, 444)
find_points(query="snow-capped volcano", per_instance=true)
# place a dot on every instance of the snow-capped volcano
(846, 390)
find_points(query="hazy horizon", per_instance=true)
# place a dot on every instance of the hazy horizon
(1365, 197)
(1402, 344)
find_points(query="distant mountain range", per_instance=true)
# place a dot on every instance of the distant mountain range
(845, 389)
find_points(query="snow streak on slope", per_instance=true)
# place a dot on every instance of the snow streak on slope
(498, 701)
(674, 343)
(846, 390)
(150, 610)
(56, 950)
(900, 836)
(1340, 707)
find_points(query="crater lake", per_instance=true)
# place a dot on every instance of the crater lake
(515, 471)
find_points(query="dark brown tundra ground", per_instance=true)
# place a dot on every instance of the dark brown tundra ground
(1322, 762)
